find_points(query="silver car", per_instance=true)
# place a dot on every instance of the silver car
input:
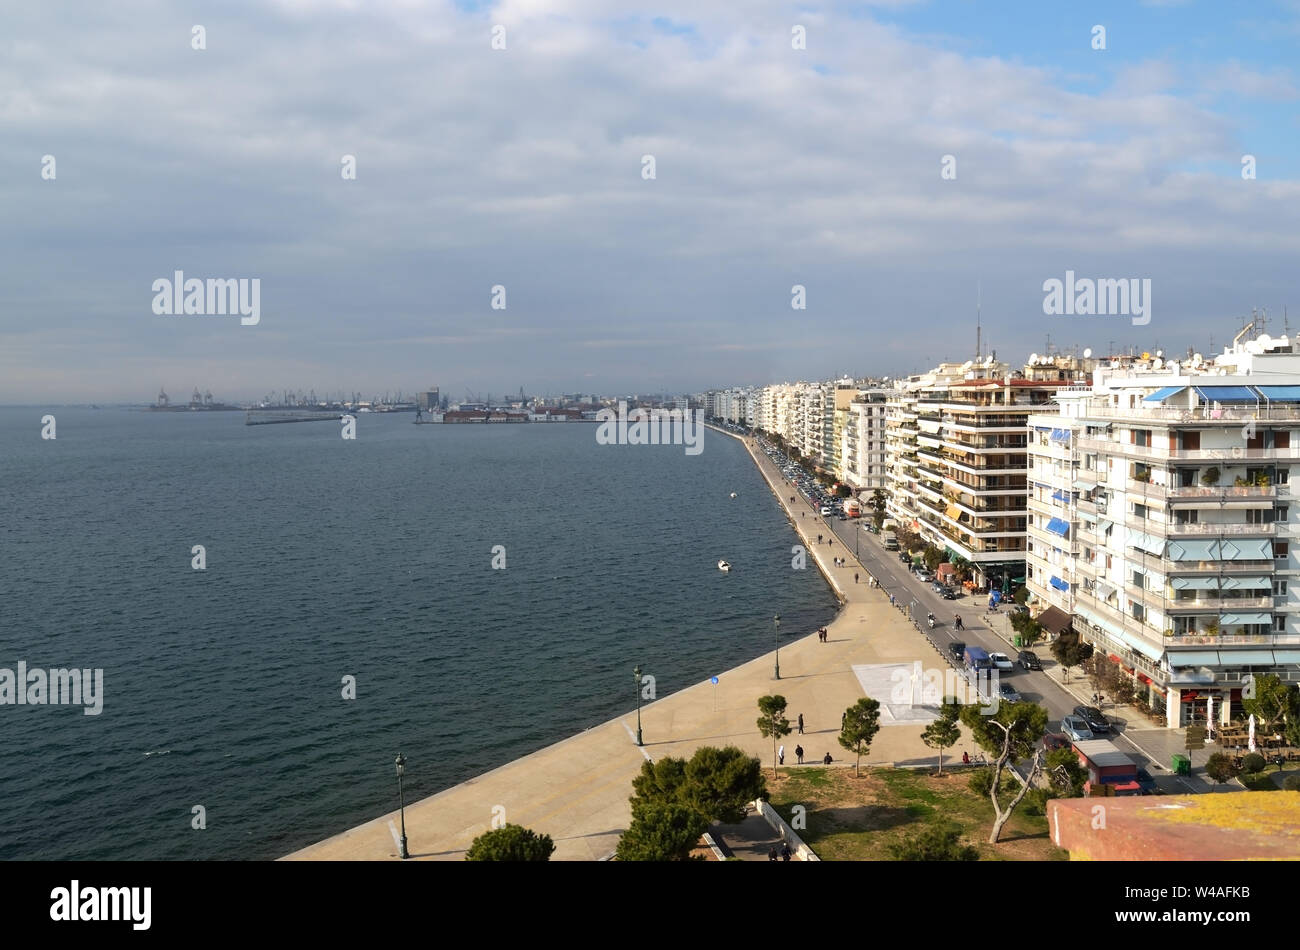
(1076, 727)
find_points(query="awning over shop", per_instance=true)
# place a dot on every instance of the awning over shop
(1160, 395)
(1146, 542)
(1059, 584)
(1246, 657)
(1055, 620)
(1235, 620)
(1194, 658)
(1057, 526)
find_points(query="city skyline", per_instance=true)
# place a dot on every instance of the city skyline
(896, 161)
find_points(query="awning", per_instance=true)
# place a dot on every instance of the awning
(953, 512)
(1183, 550)
(1234, 620)
(1104, 590)
(1247, 583)
(1057, 526)
(1059, 584)
(1280, 393)
(1148, 649)
(1060, 435)
(1246, 657)
(1104, 526)
(1246, 550)
(1146, 542)
(1194, 658)
(1084, 484)
(1055, 620)
(1227, 393)
(1059, 495)
(1286, 656)
(1194, 583)
(1160, 395)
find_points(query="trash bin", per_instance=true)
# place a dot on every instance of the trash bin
(1181, 765)
(1017, 640)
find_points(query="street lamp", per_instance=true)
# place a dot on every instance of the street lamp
(777, 621)
(637, 674)
(401, 799)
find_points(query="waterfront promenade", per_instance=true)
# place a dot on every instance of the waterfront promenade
(577, 790)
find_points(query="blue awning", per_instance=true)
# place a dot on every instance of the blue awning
(1280, 393)
(1246, 550)
(1160, 395)
(1247, 583)
(1227, 394)
(1059, 584)
(1184, 550)
(1246, 657)
(1194, 658)
(1057, 526)
(1194, 583)
(1286, 656)
(1246, 620)
(1060, 435)
(1060, 496)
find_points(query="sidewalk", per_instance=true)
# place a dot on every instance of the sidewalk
(577, 790)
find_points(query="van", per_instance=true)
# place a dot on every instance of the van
(977, 658)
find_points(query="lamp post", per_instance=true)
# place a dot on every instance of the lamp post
(777, 622)
(637, 674)
(401, 799)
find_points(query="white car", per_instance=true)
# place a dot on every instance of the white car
(1002, 662)
(826, 509)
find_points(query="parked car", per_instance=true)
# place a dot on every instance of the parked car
(924, 576)
(1076, 727)
(1008, 693)
(1144, 779)
(950, 593)
(1002, 662)
(825, 511)
(1098, 723)
(958, 650)
(938, 587)
(1028, 660)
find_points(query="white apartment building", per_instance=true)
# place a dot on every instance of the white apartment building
(862, 445)
(1161, 522)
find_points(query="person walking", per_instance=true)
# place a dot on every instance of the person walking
(827, 759)
(798, 752)
(780, 756)
(855, 577)
(785, 852)
(771, 854)
(800, 731)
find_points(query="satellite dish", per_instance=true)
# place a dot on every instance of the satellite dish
(1087, 353)
(1158, 363)
(1160, 353)
(1197, 357)
(1033, 358)
(1264, 340)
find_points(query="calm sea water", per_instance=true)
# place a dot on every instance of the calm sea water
(328, 558)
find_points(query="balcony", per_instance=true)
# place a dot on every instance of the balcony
(1224, 604)
(1212, 529)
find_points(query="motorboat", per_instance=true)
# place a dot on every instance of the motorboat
(724, 566)
(733, 494)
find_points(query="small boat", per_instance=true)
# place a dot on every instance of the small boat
(724, 566)
(733, 494)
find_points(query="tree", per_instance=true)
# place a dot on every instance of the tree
(935, 843)
(944, 733)
(878, 502)
(717, 783)
(1253, 763)
(1220, 768)
(772, 722)
(844, 491)
(1069, 650)
(1029, 629)
(510, 843)
(661, 831)
(861, 723)
(932, 557)
(961, 566)
(1276, 704)
(1067, 775)
(1010, 734)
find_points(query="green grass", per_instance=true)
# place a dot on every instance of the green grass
(852, 819)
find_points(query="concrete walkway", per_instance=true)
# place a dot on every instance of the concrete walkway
(577, 790)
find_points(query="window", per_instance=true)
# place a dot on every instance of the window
(1139, 612)
(1279, 623)
(1279, 588)
(1280, 513)
(1259, 516)
(1282, 439)
(1141, 436)
(1280, 550)
(1141, 511)
(1189, 441)
(1140, 580)
(1187, 516)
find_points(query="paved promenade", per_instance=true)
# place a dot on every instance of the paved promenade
(577, 790)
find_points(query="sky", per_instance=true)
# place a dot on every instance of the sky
(523, 168)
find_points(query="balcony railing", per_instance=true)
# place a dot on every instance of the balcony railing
(1206, 528)
(1217, 603)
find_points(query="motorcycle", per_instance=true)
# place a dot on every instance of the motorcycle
(930, 620)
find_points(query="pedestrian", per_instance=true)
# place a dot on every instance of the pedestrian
(771, 854)
(798, 752)
(891, 600)
(844, 718)
(855, 577)
(780, 756)
(965, 758)
(827, 759)
(785, 852)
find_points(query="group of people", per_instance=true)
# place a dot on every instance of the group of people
(841, 562)
(785, 853)
(821, 635)
(798, 752)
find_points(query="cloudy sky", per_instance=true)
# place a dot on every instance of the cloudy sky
(522, 167)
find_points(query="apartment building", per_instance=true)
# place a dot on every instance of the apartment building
(1161, 522)
(862, 442)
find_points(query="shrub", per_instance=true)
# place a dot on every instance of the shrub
(1219, 767)
(1252, 763)
(510, 843)
(935, 843)
(981, 781)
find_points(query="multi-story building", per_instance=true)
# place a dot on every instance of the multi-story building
(862, 449)
(1160, 522)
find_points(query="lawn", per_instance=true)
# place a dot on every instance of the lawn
(854, 819)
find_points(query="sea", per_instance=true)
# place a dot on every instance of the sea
(348, 608)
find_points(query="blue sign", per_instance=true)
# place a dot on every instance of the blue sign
(714, 681)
